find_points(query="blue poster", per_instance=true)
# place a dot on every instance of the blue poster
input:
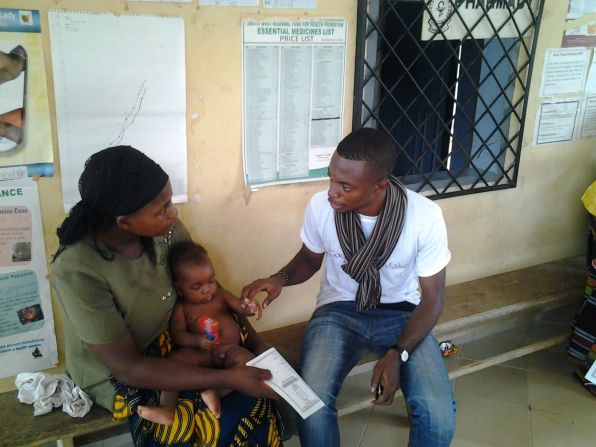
(27, 336)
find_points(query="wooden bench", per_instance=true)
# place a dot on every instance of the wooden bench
(485, 302)
(21, 428)
(476, 307)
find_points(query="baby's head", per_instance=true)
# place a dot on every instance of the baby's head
(192, 272)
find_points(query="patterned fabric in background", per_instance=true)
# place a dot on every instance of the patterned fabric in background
(581, 346)
(245, 421)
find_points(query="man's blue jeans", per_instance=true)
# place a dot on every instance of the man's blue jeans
(337, 336)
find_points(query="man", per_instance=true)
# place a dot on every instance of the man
(382, 242)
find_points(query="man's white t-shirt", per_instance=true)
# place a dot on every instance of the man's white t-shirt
(420, 252)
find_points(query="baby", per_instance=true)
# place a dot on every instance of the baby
(201, 299)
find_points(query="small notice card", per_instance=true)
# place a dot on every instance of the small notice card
(286, 382)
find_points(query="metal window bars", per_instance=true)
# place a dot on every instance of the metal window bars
(455, 102)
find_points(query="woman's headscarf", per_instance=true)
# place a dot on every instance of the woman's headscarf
(116, 181)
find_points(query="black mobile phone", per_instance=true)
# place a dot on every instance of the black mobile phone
(378, 391)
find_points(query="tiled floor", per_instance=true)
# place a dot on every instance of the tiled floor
(534, 401)
(540, 406)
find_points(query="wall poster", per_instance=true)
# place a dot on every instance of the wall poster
(582, 36)
(293, 98)
(142, 105)
(556, 121)
(482, 19)
(579, 8)
(25, 135)
(27, 335)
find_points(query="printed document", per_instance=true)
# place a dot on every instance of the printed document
(286, 382)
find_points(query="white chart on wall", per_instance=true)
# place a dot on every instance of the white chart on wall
(119, 80)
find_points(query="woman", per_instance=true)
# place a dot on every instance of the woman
(111, 279)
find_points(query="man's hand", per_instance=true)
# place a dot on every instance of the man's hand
(250, 380)
(301, 268)
(419, 325)
(386, 372)
(272, 286)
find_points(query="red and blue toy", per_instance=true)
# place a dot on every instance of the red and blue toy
(210, 328)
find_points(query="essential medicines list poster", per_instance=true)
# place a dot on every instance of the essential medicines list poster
(293, 98)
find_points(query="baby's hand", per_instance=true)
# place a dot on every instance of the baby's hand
(206, 344)
(251, 307)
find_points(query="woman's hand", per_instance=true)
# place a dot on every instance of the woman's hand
(250, 380)
(128, 366)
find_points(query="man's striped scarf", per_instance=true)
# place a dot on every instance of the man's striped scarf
(365, 257)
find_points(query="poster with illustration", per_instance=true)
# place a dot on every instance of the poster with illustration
(27, 335)
(25, 138)
(464, 19)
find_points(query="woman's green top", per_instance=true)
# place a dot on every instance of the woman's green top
(103, 300)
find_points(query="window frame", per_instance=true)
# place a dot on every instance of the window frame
(445, 182)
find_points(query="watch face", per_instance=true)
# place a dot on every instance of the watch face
(404, 356)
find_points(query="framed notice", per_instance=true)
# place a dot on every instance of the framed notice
(556, 121)
(588, 124)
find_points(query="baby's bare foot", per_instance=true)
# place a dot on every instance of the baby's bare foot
(212, 401)
(159, 415)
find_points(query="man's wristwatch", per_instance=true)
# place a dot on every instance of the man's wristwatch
(403, 354)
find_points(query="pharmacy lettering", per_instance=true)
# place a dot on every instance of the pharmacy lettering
(477, 19)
